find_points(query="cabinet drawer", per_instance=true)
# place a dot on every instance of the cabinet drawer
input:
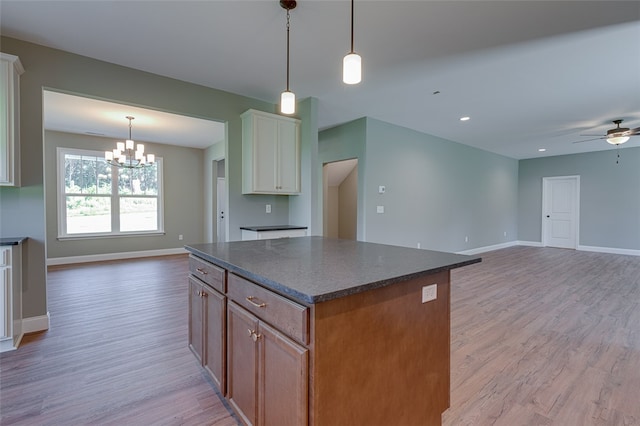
(208, 272)
(284, 314)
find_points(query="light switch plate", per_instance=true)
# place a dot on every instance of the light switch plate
(380, 209)
(429, 293)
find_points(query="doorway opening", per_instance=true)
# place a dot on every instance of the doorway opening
(340, 199)
(219, 225)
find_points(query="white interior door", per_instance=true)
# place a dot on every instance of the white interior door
(221, 210)
(560, 204)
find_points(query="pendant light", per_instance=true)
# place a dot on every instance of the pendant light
(352, 63)
(288, 98)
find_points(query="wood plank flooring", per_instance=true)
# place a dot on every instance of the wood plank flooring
(540, 336)
(544, 336)
(116, 352)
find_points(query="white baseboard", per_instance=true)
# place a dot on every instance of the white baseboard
(611, 250)
(113, 256)
(529, 243)
(488, 248)
(33, 324)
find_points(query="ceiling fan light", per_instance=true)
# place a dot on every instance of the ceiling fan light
(287, 102)
(617, 140)
(352, 68)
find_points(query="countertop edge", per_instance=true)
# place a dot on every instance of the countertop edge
(12, 241)
(311, 300)
(266, 228)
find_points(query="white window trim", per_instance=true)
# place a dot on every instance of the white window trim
(62, 206)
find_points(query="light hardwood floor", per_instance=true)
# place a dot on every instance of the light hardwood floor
(539, 336)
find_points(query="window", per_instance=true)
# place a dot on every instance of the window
(96, 199)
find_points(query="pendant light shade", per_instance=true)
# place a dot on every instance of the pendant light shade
(288, 98)
(352, 69)
(352, 63)
(287, 102)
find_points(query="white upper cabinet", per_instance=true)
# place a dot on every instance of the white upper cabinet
(270, 154)
(10, 70)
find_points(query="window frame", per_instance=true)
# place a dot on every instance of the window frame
(61, 198)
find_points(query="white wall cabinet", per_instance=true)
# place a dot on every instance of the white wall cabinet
(270, 154)
(10, 297)
(10, 70)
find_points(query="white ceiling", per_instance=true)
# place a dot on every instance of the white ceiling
(74, 114)
(530, 74)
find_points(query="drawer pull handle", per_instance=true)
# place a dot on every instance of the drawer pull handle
(202, 271)
(251, 299)
(254, 336)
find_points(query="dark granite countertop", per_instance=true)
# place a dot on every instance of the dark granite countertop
(12, 241)
(272, 228)
(316, 269)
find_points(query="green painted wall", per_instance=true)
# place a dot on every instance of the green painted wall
(437, 192)
(609, 196)
(182, 172)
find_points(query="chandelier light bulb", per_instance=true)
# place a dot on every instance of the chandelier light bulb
(287, 102)
(352, 68)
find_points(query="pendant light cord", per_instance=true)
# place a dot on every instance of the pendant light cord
(352, 8)
(288, 25)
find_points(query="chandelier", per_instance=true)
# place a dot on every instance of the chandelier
(128, 154)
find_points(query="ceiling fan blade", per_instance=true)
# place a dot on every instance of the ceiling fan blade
(589, 140)
(634, 132)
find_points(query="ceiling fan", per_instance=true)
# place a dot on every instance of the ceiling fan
(616, 136)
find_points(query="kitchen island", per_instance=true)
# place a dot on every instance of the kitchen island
(322, 331)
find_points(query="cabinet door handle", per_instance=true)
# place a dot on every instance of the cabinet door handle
(255, 337)
(251, 299)
(202, 271)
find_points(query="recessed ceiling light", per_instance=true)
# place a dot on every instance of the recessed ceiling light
(465, 118)
(542, 149)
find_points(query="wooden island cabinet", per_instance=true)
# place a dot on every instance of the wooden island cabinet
(331, 332)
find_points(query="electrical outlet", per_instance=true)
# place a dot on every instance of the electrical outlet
(380, 209)
(381, 189)
(268, 208)
(418, 245)
(505, 233)
(466, 239)
(429, 293)
(180, 237)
